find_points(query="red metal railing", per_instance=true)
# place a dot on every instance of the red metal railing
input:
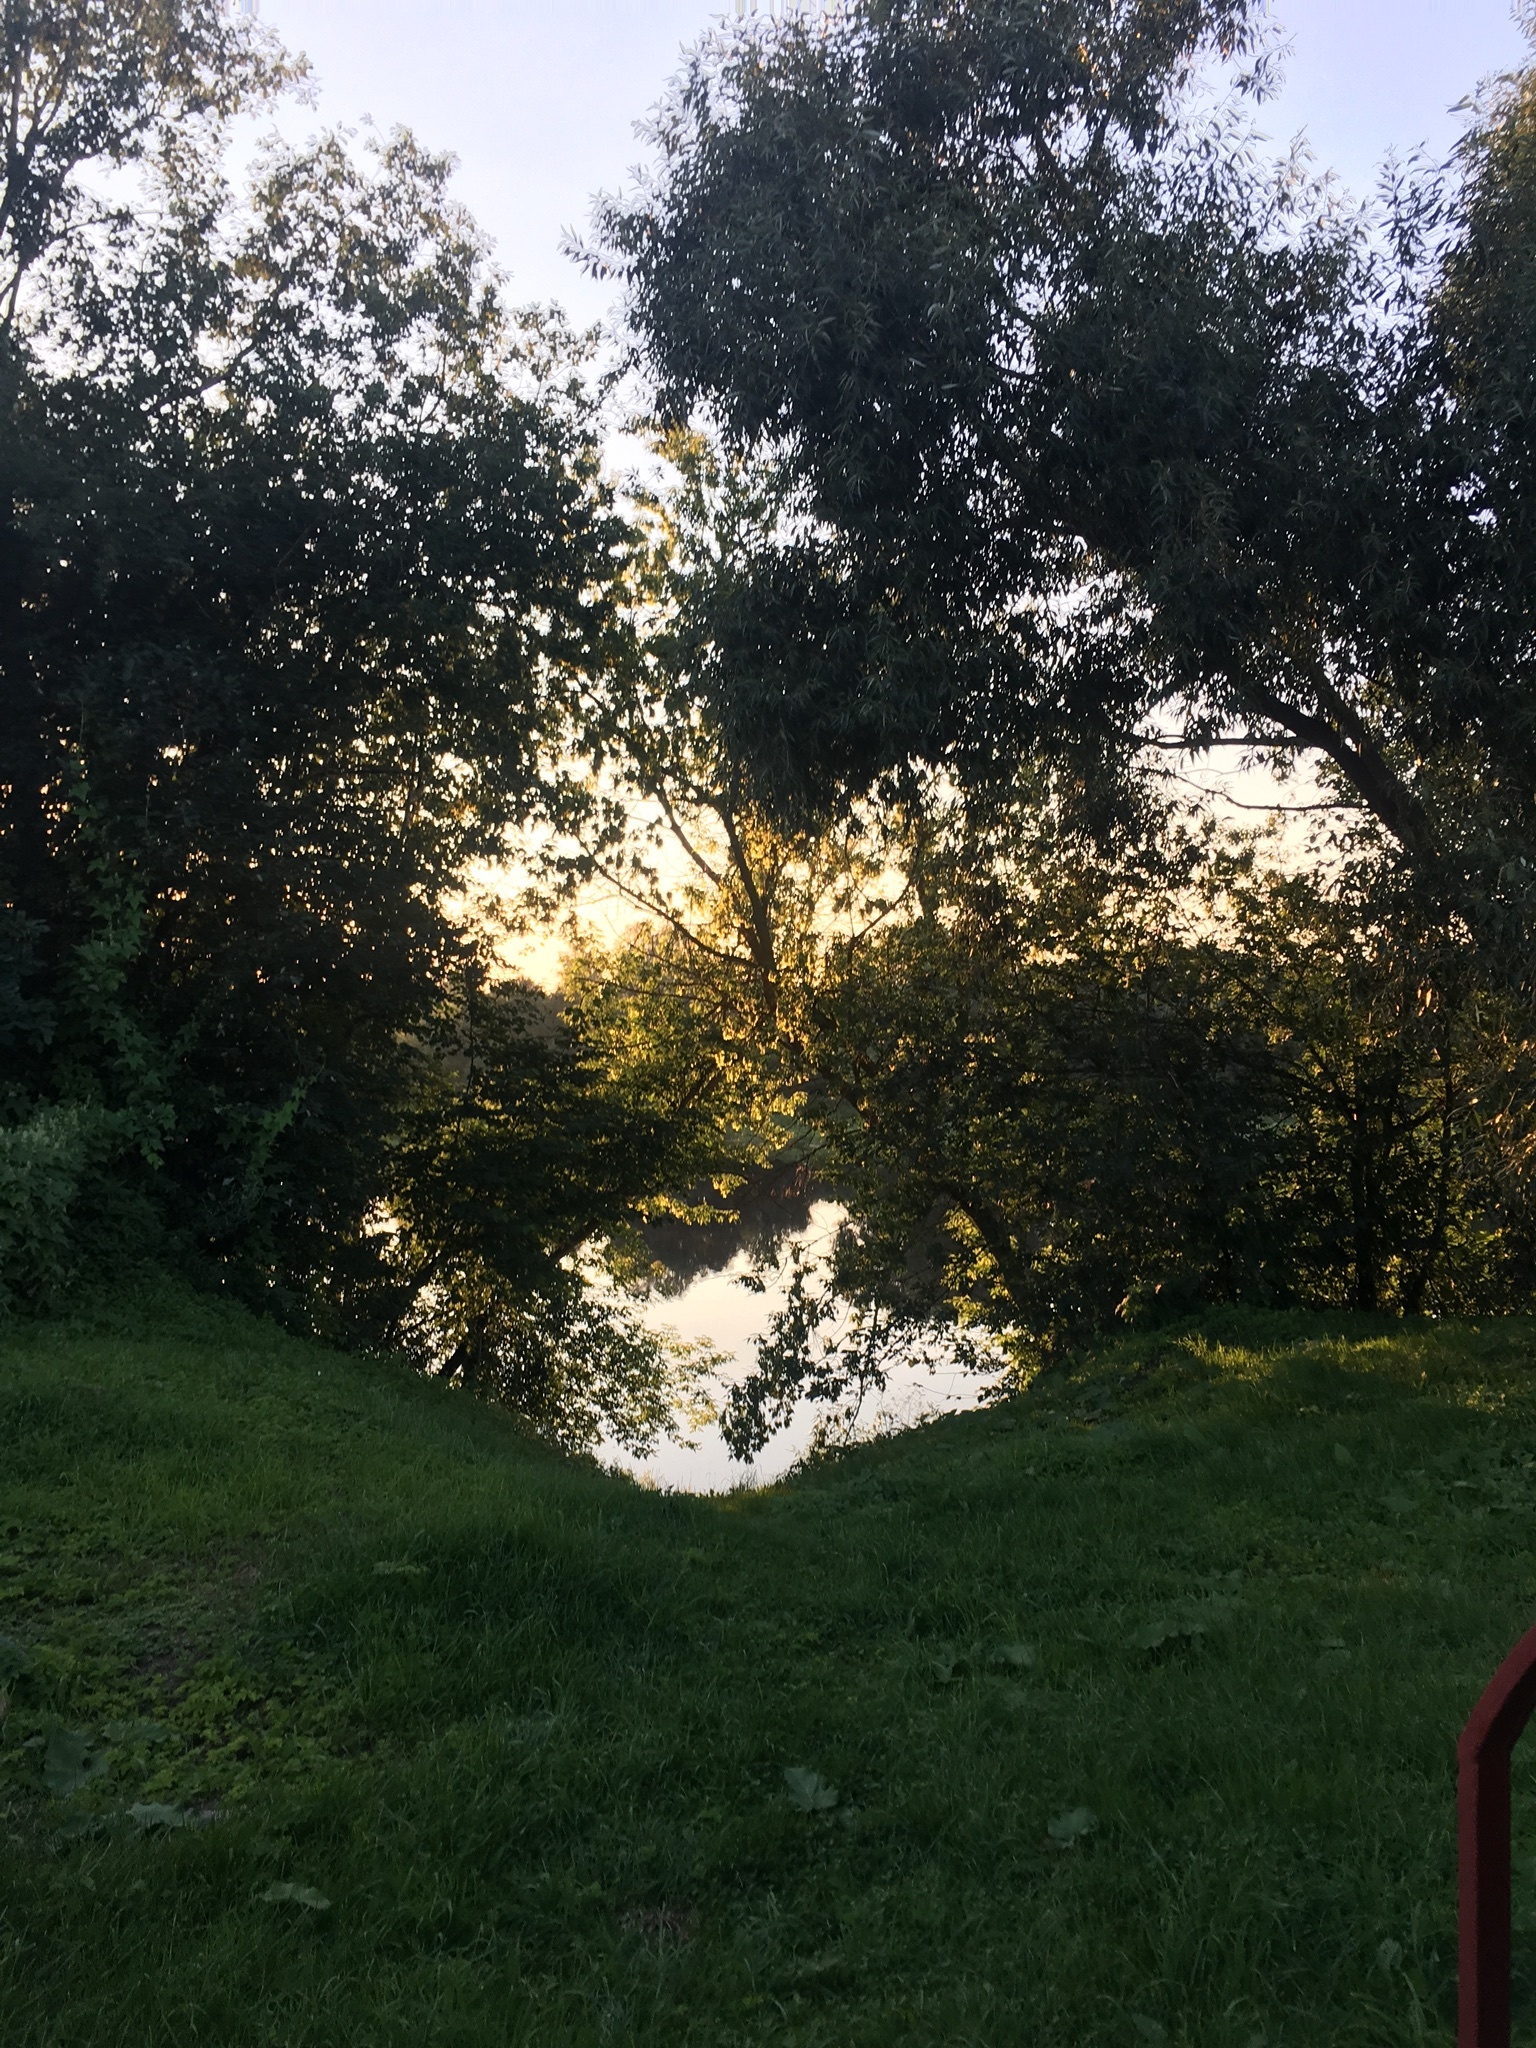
(1482, 1828)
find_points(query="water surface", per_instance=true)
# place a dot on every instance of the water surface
(703, 1299)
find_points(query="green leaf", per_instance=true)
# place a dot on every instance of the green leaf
(808, 1790)
(13, 1660)
(1018, 1656)
(1390, 1954)
(1071, 1826)
(1342, 1455)
(150, 1814)
(82, 1827)
(136, 1733)
(297, 1895)
(391, 1568)
(1149, 2029)
(68, 1762)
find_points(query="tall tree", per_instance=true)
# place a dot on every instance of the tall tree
(1103, 433)
(302, 541)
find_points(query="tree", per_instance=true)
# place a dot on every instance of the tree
(730, 907)
(1066, 1099)
(302, 545)
(100, 87)
(1103, 435)
(522, 1142)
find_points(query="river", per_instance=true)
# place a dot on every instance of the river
(704, 1300)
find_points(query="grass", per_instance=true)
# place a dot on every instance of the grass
(1138, 1704)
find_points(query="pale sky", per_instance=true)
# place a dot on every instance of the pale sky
(539, 101)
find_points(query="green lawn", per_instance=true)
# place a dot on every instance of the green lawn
(1138, 1704)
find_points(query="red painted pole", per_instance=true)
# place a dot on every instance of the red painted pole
(1482, 1828)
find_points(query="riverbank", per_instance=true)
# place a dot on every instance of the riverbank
(342, 1714)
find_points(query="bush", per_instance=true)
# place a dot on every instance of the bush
(44, 1164)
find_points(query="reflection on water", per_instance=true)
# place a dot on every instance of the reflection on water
(760, 1226)
(703, 1299)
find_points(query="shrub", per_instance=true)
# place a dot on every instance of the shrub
(44, 1163)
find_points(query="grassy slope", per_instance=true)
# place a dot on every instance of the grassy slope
(525, 1726)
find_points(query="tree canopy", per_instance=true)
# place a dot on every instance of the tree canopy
(302, 543)
(1100, 432)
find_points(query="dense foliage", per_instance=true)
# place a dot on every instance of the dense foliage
(301, 541)
(1089, 440)
(1100, 431)
(1020, 430)
(1058, 1097)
